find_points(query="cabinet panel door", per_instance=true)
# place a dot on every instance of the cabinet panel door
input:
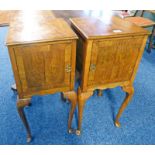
(113, 60)
(44, 66)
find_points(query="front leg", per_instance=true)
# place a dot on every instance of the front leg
(21, 103)
(72, 97)
(82, 97)
(129, 93)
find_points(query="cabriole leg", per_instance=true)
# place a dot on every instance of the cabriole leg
(21, 103)
(72, 97)
(82, 97)
(129, 93)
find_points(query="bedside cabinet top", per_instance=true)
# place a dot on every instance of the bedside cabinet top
(32, 28)
(94, 28)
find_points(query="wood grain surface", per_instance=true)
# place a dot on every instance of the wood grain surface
(33, 29)
(94, 28)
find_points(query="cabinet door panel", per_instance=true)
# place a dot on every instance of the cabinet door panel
(113, 60)
(43, 66)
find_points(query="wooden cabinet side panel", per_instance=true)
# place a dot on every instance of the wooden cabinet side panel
(86, 57)
(143, 44)
(73, 64)
(15, 71)
(79, 55)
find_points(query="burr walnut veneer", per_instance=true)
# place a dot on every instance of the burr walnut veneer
(43, 53)
(6, 16)
(108, 54)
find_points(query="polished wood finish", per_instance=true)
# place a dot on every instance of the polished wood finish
(20, 33)
(99, 28)
(66, 14)
(108, 55)
(141, 21)
(7, 16)
(43, 53)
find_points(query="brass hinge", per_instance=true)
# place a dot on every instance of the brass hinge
(68, 68)
(92, 67)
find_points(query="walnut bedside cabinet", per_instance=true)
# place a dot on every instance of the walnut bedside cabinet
(108, 56)
(43, 56)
